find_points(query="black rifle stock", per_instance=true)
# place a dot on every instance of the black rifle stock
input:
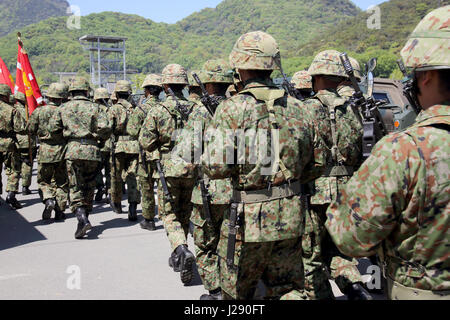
(184, 111)
(206, 198)
(408, 85)
(162, 178)
(372, 121)
(288, 87)
(232, 232)
(209, 102)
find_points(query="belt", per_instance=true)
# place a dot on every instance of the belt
(84, 141)
(338, 171)
(280, 192)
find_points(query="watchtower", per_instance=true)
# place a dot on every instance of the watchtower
(108, 58)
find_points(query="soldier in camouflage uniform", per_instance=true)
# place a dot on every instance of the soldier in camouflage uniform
(231, 91)
(146, 172)
(321, 258)
(195, 93)
(11, 123)
(83, 124)
(26, 164)
(266, 192)
(52, 171)
(302, 81)
(397, 204)
(126, 150)
(159, 133)
(216, 75)
(101, 96)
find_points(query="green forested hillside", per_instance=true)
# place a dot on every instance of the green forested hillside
(302, 28)
(16, 14)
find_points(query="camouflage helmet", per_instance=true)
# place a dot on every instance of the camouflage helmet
(5, 90)
(152, 80)
(101, 93)
(55, 90)
(113, 97)
(122, 86)
(65, 87)
(302, 80)
(174, 74)
(356, 68)
(192, 82)
(20, 96)
(216, 71)
(428, 45)
(327, 63)
(255, 51)
(79, 84)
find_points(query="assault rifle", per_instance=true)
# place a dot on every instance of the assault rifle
(183, 109)
(372, 121)
(287, 85)
(206, 198)
(211, 103)
(408, 85)
(162, 177)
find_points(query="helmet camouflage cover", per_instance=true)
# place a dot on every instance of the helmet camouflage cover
(302, 80)
(79, 84)
(327, 63)
(356, 68)
(5, 90)
(123, 86)
(55, 90)
(20, 96)
(174, 74)
(101, 93)
(216, 71)
(152, 80)
(192, 82)
(428, 45)
(255, 51)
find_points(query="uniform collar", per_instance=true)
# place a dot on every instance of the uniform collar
(258, 83)
(434, 111)
(81, 98)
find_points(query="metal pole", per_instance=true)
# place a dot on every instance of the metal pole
(99, 67)
(124, 62)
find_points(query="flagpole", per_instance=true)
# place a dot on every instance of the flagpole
(30, 152)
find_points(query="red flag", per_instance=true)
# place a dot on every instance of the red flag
(5, 76)
(26, 80)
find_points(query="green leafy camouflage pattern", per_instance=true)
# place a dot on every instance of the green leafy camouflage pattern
(152, 80)
(302, 80)
(82, 174)
(255, 51)
(101, 93)
(11, 123)
(127, 166)
(45, 123)
(84, 124)
(400, 199)
(174, 74)
(345, 91)
(23, 142)
(327, 63)
(216, 71)
(53, 182)
(302, 151)
(429, 43)
(105, 146)
(119, 115)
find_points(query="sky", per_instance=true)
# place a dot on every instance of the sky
(169, 11)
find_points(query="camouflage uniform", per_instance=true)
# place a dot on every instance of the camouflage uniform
(23, 146)
(207, 234)
(101, 96)
(11, 123)
(397, 204)
(84, 124)
(302, 82)
(126, 153)
(345, 142)
(52, 172)
(146, 168)
(271, 211)
(158, 134)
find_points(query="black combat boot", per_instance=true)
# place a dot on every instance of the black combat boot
(183, 263)
(213, 295)
(132, 211)
(99, 195)
(41, 195)
(148, 225)
(356, 291)
(26, 191)
(12, 201)
(83, 223)
(59, 214)
(50, 205)
(116, 207)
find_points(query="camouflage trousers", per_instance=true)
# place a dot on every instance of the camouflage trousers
(322, 260)
(147, 183)
(105, 165)
(53, 182)
(11, 161)
(24, 171)
(126, 166)
(206, 240)
(176, 215)
(82, 175)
